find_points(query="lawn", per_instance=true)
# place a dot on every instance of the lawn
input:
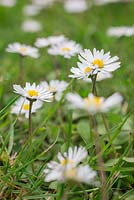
(55, 127)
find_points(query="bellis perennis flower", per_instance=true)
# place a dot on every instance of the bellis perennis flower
(33, 92)
(49, 41)
(23, 50)
(93, 63)
(67, 49)
(93, 104)
(69, 167)
(31, 26)
(22, 106)
(55, 86)
(75, 6)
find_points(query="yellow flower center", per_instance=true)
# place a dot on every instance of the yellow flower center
(52, 89)
(98, 62)
(23, 49)
(95, 100)
(66, 49)
(64, 162)
(32, 93)
(87, 70)
(25, 107)
(71, 173)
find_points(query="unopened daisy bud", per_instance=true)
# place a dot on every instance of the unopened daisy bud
(33, 92)
(93, 104)
(23, 50)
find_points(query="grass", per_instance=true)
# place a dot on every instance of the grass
(54, 127)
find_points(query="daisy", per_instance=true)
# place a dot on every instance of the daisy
(95, 62)
(8, 3)
(55, 86)
(69, 167)
(22, 106)
(23, 50)
(33, 92)
(67, 49)
(120, 31)
(52, 40)
(31, 10)
(43, 3)
(93, 104)
(75, 6)
(31, 26)
(100, 76)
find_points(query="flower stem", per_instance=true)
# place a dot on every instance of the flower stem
(30, 117)
(21, 69)
(104, 194)
(61, 192)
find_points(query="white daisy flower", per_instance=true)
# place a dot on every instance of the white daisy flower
(98, 61)
(52, 40)
(43, 3)
(22, 106)
(8, 3)
(69, 167)
(100, 76)
(75, 6)
(67, 49)
(33, 92)
(31, 26)
(120, 31)
(31, 10)
(93, 104)
(55, 86)
(102, 2)
(23, 50)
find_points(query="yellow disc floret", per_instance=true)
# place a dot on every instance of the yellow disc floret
(64, 162)
(71, 173)
(66, 49)
(23, 49)
(93, 101)
(87, 70)
(32, 93)
(25, 107)
(98, 62)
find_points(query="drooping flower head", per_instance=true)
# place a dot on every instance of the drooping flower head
(67, 49)
(94, 63)
(23, 50)
(93, 104)
(33, 92)
(69, 167)
(55, 86)
(22, 106)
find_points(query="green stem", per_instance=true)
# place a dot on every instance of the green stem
(30, 117)
(100, 162)
(61, 192)
(21, 69)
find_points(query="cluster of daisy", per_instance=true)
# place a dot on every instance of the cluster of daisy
(70, 167)
(97, 65)
(59, 45)
(37, 93)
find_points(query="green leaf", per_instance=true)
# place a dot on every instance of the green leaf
(84, 130)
